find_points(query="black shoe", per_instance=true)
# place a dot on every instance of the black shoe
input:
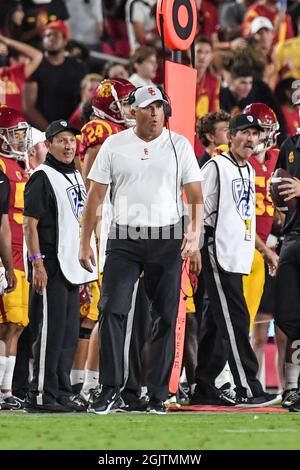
(104, 399)
(156, 406)
(74, 402)
(54, 407)
(266, 399)
(227, 395)
(11, 403)
(222, 397)
(290, 397)
(139, 405)
(295, 407)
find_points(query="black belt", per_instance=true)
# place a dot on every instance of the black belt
(174, 231)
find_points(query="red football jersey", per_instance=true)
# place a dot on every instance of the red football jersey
(264, 206)
(18, 178)
(95, 132)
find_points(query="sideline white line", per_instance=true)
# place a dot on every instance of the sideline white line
(252, 430)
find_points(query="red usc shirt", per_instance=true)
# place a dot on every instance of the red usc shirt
(95, 132)
(207, 95)
(17, 178)
(12, 80)
(264, 206)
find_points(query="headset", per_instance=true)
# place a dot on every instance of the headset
(166, 106)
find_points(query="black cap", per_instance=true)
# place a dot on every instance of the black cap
(60, 126)
(240, 122)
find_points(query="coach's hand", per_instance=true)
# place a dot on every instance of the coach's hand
(195, 262)
(86, 257)
(39, 276)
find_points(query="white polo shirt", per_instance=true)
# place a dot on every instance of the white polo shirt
(143, 176)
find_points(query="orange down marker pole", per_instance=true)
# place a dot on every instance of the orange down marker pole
(177, 24)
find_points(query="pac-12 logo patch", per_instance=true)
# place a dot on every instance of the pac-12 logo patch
(240, 191)
(77, 202)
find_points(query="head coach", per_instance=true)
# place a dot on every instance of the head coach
(147, 168)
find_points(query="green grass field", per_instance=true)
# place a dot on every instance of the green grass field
(176, 431)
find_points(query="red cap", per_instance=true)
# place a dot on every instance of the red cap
(59, 25)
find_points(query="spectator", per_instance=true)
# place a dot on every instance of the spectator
(53, 90)
(141, 23)
(37, 14)
(276, 12)
(284, 94)
(208, 86)
(244, 90)
(115, 70)
(87, 86)
(13, 75)
(143, 65)
(286, 57)
(86, 22)
(212, 131)
(261, 39)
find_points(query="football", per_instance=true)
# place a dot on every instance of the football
(278, 200)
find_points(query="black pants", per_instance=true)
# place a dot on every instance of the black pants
(137, 337)
(227, 327)
(161, 262)
(287, 292)
(54, 320)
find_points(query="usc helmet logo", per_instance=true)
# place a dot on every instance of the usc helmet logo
(105, 90)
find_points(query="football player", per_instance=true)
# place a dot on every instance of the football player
(15, 137)
(259, 285)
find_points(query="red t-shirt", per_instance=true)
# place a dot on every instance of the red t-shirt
(264, 206)
(208, 18)
(12, 80)
(207, 95)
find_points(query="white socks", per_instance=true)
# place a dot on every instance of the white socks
(77, 376)
(3, 360)
(8, 376)
(91, 380)
(292, 372)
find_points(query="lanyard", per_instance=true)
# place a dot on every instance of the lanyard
(78, 190)
(242, 177)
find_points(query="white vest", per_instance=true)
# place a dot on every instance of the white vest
(69, 212)
(233, 246)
